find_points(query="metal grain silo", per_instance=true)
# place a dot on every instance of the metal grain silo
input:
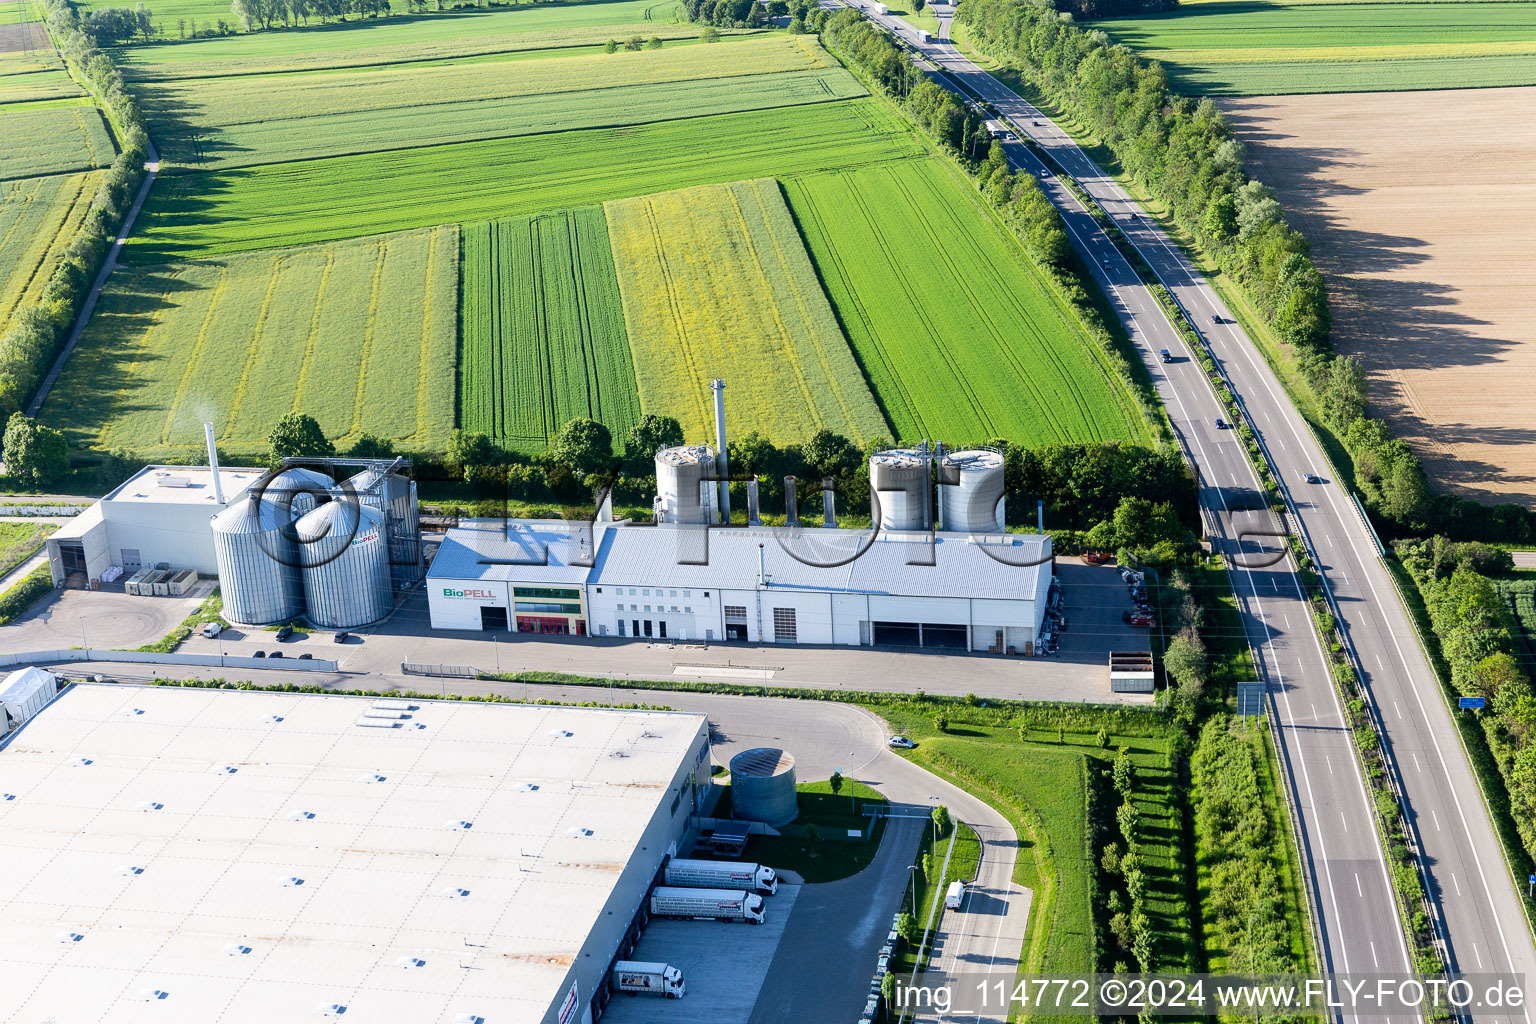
(971, 491)
(763, 786)
(343, 550)
(259, 578)
(898, 489)
(683, 491)
(295, 491)
(393, 495)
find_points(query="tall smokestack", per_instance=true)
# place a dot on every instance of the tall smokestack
(791, 502)
(753, 517)
(213, 464)
(927, 488)
(721, 462)
(828, 508)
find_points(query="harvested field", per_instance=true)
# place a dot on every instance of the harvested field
(22, 36)
(53, 140)
(715, 282)
(542, 329)
(196, 215)
(957, 332)
(37, 221)
(1428, 261)
(225, 123)
(1242, 48)
(359, 334)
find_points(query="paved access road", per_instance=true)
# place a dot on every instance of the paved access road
(1478, 904)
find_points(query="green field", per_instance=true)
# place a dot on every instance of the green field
(715, 279)
(225, 123)
(542, 329)
(360, 334)
(37, 85)
(19, 540)
(161, 66)
(197, 215)
(1242, 48)
(408, 29)
(53, 141)
(38, 219)
(957, 332)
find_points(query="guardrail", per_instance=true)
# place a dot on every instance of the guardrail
(156, 658)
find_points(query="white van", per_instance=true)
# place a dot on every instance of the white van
(955, 896)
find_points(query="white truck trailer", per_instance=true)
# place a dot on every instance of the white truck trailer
(23, 694)
(635, 977)
(707, 904)
(880, 8)
(722, 874)
(924, 36)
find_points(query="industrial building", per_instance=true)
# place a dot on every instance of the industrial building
(248, 857)
(938, 572)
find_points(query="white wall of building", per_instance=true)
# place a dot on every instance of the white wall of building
(456, 604)
(690, 613)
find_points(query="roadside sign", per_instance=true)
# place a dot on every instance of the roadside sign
(1473, 703)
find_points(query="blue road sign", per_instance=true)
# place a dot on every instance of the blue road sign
(1533, 879)
(1475, 703)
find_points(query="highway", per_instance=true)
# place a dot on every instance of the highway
(1476, 901)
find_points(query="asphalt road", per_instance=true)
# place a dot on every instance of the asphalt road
(1469, 883)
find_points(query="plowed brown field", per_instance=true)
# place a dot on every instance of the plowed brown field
(1421, 208)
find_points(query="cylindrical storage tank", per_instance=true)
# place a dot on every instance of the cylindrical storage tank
(258, 564)
(898, 489)
(684, 494)
(971, 491)
(295, 491)
(344, 552)
(763, 786)
(395, 497)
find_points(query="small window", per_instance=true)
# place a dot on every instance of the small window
(647, 608)
(674, 609)
(706, 593)
(671, 593)
(687, 593)
(688, 608)
(599, 590)
(647, 593)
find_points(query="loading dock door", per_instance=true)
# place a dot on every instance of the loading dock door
(896, 634)
(493, 619)
(945, 635)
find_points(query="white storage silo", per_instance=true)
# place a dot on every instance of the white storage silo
(898, 489)
(763, 786)
(971, 491)
(344, 552)
(683, 490)
(293, 492)
(393, 495)
(258, 563)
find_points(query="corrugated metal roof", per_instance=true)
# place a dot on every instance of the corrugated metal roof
(848, 561)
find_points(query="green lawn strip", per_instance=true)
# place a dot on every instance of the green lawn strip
(24, 594)
(961, 848)
(208, 611)
(1292, 878)
(19, 541)
(835, 854)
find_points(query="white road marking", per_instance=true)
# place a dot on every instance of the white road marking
(1330, 763)
(1432, 814)
(1358, 889)
(1344, 820)
(1397, 709)
(1478, 954)
(1416, 766)
(1456, 883)
(1373, 956)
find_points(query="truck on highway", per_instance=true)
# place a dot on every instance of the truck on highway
(636, 977)
(707, 904)
(722, 874)
(924, 36)
(880, 8)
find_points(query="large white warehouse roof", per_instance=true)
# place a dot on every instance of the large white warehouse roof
(204, 855)
(184, 485)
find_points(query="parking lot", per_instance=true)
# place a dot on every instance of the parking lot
(99, 618)
(723, 965)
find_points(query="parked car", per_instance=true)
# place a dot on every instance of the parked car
(340, 638)
(1094, 557)
(306, 656)
(259, 654)
(275, 654)
(212, 629)
(284, 631)
(1136, 618)
(900, 742)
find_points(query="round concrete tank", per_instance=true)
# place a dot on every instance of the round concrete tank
(343, 550)
(971, 491)
(763, 786)
(258, 568)
(685, 494)
(898, 489)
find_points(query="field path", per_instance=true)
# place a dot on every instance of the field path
(152, 166)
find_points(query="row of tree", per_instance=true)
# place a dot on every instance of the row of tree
(37, 329)
(111, 25)
(1480, 642)
(263, 14)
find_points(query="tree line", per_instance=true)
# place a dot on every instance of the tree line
(1184, 154)
(37, 330)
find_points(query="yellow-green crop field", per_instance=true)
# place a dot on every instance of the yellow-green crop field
(38, 219)
(716, 283)
(542, 329)
(227, 123)
(960, 336)
(37, 85)
(53, 140)
(1241, 48)
(359, 334)
(169, 66)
